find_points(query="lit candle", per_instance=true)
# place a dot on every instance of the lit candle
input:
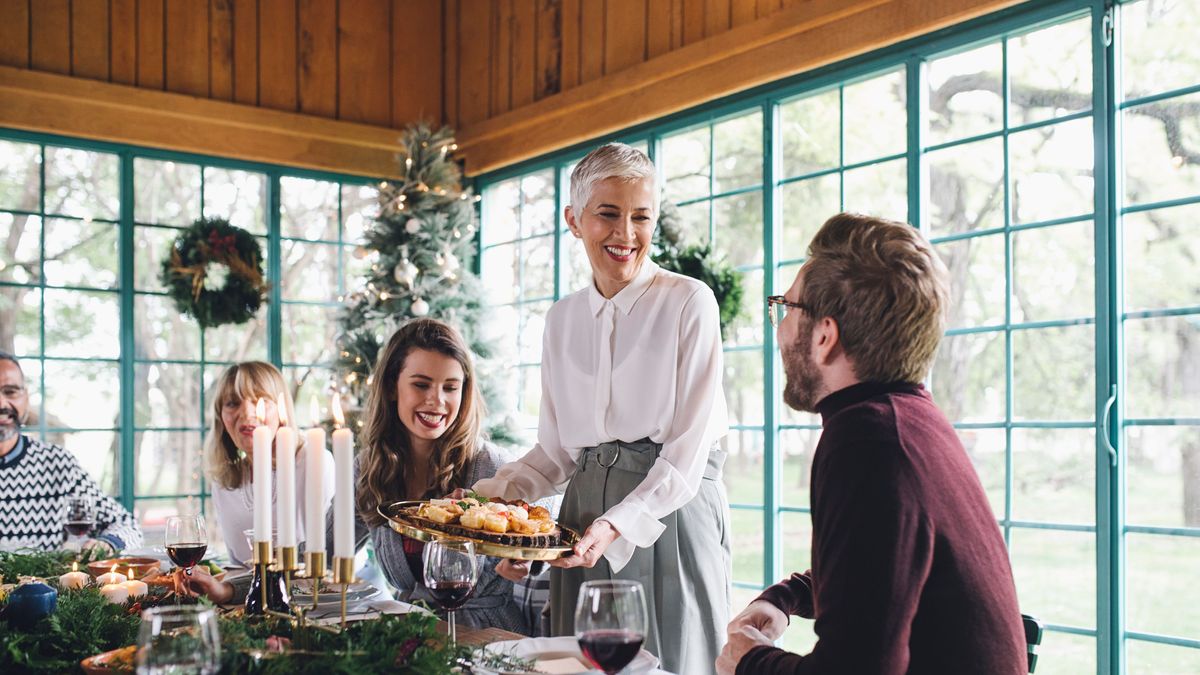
(111, 577)
(74, 578)
(135, 588)
(262, 475)
(343, 475)
(314, 469)
(116, 593)
(285, 464)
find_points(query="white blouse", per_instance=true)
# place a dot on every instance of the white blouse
(646, 363)
(235, 508)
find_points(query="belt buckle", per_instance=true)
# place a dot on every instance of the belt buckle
(616, 456)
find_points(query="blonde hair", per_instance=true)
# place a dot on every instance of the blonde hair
(886, 288)
(241, 381)
(386, 460)
(611, 160)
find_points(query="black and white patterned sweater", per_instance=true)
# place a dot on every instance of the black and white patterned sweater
(35, 480)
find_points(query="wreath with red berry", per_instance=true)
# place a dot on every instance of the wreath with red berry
(213, 273)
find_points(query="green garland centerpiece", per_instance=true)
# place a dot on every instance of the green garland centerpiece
(85, 624)
(214, 273)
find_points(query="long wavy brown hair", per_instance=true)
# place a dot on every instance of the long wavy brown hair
(387, 459)
(241, 381)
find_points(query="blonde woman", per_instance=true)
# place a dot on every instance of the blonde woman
(229, 452)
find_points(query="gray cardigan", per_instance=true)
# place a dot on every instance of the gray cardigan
(492, 604)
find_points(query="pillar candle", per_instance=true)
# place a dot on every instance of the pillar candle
(135, 588)
(115, 593)
(262, 475)
(285, 465)
(343, 499)
(74, 578)
(314, 470)
(111, 577)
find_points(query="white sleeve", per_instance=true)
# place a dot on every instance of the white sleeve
(699, 419)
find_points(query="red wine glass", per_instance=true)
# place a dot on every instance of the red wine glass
(186, 541)
(451, 570)
(610, 623)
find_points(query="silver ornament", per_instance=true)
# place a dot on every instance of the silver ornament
(420, 307)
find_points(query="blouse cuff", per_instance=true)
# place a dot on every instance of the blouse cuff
(634, 523)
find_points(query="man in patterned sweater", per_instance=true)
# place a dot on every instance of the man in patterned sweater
(36, 478)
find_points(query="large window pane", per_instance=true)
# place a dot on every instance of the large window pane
(807, 204)
(1160, 599)
(1054, 476)
(82, 324)
(876, 119)
(168, 395)
(20, 175)
(977, 272)
(966, 188)
(1038, 92)
(796, 447)
(1054, 373)
(968, 377)
(1056, 575)
(1160, 358)
(685, 165)
(986, 448)
(1162, 474)
(82, 394)
(744, 387)
(1157, 139)
(1053, 275)
(748, 545)
(165, 193)
(81, 183)
(81, 253)
(811, 130)
(878, 190)
(738, 224)
(308, 209)
(743, 473)
(1159, 49)
(169, 463)
(1051, 172)
(964, 94)
(1161, 247)
(239, 197)
(20, 255)
(737, 151)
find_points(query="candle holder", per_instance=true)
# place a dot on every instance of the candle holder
(343, 574)
(314, 569)
(287, 563)
(262, 559)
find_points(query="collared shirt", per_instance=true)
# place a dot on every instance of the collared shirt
(14, 455)
(646, 363)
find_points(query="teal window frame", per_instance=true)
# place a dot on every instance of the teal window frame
(1110, 527)
(127, 291)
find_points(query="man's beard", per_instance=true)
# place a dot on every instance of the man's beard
(804, 381)
(10, 428)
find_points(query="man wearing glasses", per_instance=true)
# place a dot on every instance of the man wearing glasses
(909, 570)
(37, 478)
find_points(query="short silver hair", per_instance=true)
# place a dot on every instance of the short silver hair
(611, 160)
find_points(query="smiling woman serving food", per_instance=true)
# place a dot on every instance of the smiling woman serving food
(632, 406)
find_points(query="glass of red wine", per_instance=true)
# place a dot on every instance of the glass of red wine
(610, 623)
(450, 573)
(81, 518)
(186, 541)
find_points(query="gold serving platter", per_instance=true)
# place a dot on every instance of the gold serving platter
(395, 514)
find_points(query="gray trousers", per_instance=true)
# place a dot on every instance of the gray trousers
(686, 572)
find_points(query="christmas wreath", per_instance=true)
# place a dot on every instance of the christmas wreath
(214, 273)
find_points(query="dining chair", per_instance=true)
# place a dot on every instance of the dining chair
(1033, 637)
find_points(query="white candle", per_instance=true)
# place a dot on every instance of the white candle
(74, 578)
(115, 593)
(343, 475)
(314, 470)
(262, 475)
(285, 465)
(111, 577)
(135, 588)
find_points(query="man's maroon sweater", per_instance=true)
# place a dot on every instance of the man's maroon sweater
(909, 571)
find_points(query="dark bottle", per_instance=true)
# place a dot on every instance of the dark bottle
(278, 599)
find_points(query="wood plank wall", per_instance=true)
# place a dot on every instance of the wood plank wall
(509, 53)
(377, 62)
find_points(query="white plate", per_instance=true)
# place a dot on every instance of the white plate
(332, 594)
(559, 647)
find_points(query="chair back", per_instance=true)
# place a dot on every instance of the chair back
(1033, 637)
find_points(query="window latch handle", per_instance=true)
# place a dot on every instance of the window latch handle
(1108, 405)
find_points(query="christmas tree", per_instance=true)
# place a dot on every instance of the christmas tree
(421, 247)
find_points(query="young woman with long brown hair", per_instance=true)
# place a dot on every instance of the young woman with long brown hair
(421, 439)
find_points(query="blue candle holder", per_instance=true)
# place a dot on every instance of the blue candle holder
(30, 603)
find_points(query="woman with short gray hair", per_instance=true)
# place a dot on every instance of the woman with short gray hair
(632, 408)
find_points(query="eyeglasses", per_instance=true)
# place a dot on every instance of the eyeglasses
(777, 307)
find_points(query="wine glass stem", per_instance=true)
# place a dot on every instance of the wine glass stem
(453, 630)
